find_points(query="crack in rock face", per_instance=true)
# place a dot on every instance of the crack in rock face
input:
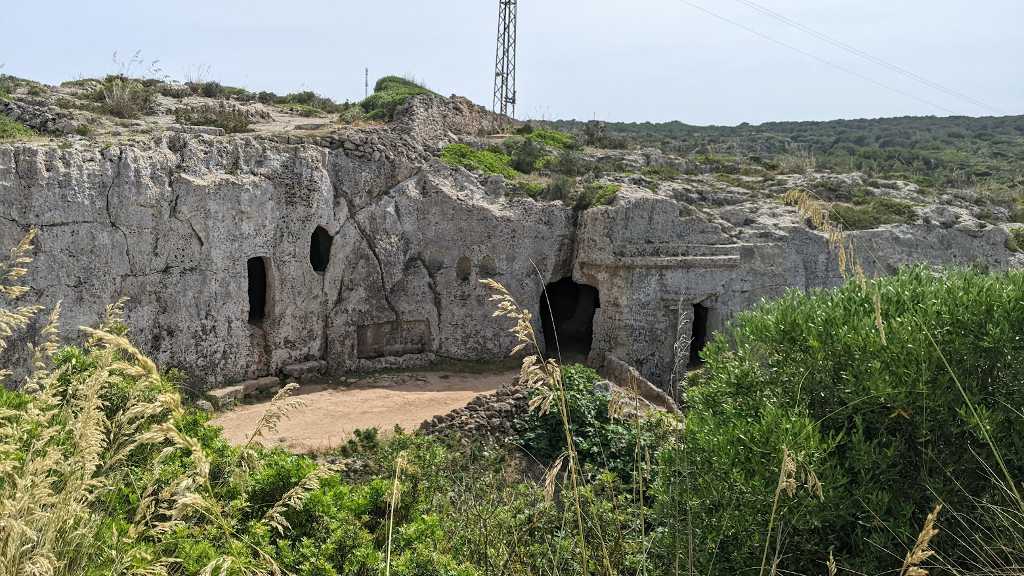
(372, 250)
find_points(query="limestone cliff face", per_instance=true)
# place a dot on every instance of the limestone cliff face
(242, 255)
(173, 226)
(670, 273)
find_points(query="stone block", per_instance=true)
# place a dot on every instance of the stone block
(266, 384)
(224, 398)
(304, 369)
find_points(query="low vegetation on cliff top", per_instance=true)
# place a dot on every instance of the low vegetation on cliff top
(812, 445)
(11, 130)
(542, 164)
(389, 93)
(936, 153)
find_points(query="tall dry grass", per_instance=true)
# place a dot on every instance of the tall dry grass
(544, 376)
(69, 447)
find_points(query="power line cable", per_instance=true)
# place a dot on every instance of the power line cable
(867, 56)
(819, 58)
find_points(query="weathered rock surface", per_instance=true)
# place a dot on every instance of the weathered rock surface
(658, 261)
(219, 242)
(173, 225)
(492, 416)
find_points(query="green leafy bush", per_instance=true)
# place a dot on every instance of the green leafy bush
(1015, 242)
(571, 163)
(1017, 214)
(389, 93)
(661, 172)
(888, 426)
(309, 100)
(351, 113)
(604, 443)
(486, 161)
(560, 188)
(527, 156)
(11, 130)
(596, 194)
(954, 152)
(871, 213)
(10, 84)
(124, 97)
(304, 110)
(553, 139)
(230, 118)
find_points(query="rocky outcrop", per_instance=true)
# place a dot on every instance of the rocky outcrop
(437, 121)
(197, 231)
(38, 115)
(670, 272)
(357, 250)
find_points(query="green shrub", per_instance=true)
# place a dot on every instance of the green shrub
(311, 100)
(882, 423)
(526, 154)
(570, 163)
(351, 113)
(230, 118)
(872, 213)
(123, 97)
(530, 189)
(1015, 241)
(661, 172)
(604, 443)
(304, 110)
(561, 188)
(553, 138)
(1017, 214)
(11, 130)
(7, 85)
(389, 94)
(596, 194)
(486, 161)
(216, 90)
(10, 84)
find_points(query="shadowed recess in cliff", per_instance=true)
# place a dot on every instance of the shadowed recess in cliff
(320, 249)
(699, 335)
(567, 312)
(257, 273)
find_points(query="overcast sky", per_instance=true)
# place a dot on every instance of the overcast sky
(629, 60)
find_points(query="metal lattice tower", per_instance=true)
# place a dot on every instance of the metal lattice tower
(505, 61)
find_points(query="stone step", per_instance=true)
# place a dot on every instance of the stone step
(223, 398)
(269, 384)
(304, 369)
(228, 396)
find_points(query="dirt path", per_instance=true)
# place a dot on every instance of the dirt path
(331, 415)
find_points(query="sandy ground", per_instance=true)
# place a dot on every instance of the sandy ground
(332, 414)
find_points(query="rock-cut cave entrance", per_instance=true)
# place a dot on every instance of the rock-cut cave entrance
(699, 335)
(567, 317)
(257, 273)
(320, 249)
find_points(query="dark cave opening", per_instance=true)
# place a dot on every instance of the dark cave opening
(320, 249)
(257, 271)
(567, 318)
(699, 335)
